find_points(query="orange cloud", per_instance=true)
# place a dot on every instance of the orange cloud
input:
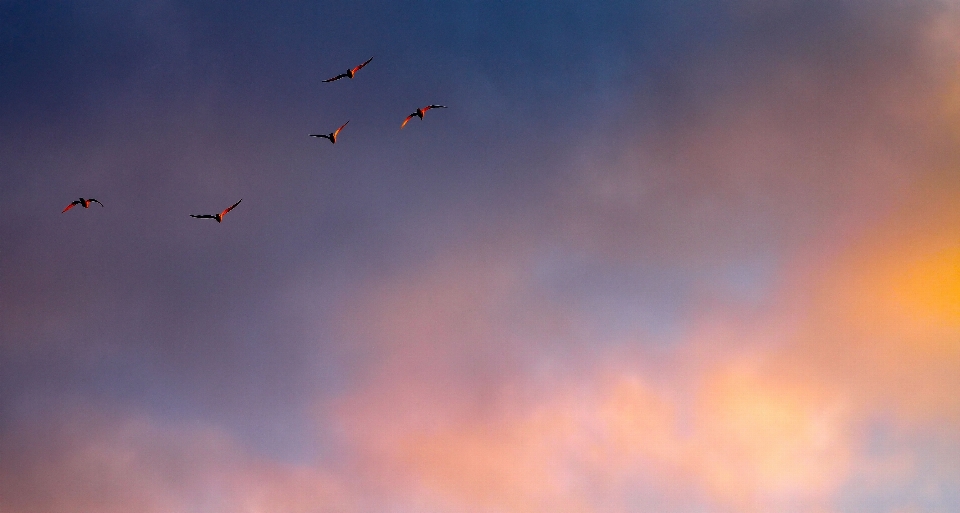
(883, 318)
(767, 442)
(753, 443)
(775, 404)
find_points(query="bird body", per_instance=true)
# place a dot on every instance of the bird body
(350, 72)
(218, 217)
(81, 201)
(420, 112)
(331, 136)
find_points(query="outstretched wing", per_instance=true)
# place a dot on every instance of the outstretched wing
(229, 209)
(338, 77)
(203, 216)
(95, 201)
(428, 107)
(339, 129)
(362, 65)
(408, 119)
(325, 136)
(75, 203)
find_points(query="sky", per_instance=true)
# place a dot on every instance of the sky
(680, 256)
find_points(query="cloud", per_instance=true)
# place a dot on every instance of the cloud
(461, 408)
(884, 319)
(83, 461)
(757, 410)
(749, 444)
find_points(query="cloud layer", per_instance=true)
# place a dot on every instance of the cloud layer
(696, 257)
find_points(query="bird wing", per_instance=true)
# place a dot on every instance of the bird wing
(362, 65)
(408, 119)
(325, 136)
(428, 107)
(229, 209)
(75, 203)
(203, 216)
(339, 129)
(95, 201)
(338, 77)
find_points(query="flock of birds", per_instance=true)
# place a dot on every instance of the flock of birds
(332, 137)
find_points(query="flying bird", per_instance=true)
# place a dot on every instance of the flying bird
(332, 136)
(350, 72)
(81, 201)
(218, 217)
(420, 112)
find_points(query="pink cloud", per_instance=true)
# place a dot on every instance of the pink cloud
(83, 462)
(759, 412)
(447, 421)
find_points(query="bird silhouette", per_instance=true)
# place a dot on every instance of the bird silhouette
(332, 136)
(350, 72)
(420, 112)
(218, 217)
(81, 201)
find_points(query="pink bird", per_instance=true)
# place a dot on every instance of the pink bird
(350, 72)
(420, 112)
(218, 217)
(332, 136)
(81, 201)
